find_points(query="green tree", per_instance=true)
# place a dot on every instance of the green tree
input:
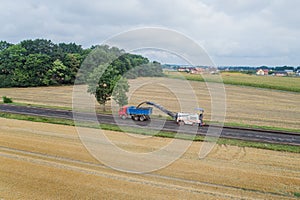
(38, 46)
(73, 61)
(127, 61)
(34, 62)
(58, 74)
(4, 45)
(36, 66)
(12, 60)
(101, 55)
(70, 48)
(119, 92)
(101, 83)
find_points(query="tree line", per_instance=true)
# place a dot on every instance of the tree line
(39, 62)
(105, 69)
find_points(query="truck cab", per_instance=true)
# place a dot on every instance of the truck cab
(123, 112)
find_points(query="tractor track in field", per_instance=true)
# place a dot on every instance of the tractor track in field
(247, 134)
(151, 179)
(240, 152)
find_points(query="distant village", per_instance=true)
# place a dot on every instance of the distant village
(259, 71)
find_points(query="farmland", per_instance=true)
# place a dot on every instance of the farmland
(245, 105)
(48, 161)
(291, 84)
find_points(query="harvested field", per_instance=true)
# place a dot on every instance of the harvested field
(270, 82)
(46, 161)
(245, 105)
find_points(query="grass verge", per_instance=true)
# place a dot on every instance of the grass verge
(233, 142)
(40, 106)
(297, 194)
(270, 128)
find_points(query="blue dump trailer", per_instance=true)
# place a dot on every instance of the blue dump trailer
(136, 113)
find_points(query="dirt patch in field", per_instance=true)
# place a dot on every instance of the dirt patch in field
(48, 161)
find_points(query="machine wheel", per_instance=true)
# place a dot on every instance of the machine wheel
(142, 118)
(123, 117)
(181, 123)
(135, 118)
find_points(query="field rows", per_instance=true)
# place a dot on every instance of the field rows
(291, 84)
(49, 161)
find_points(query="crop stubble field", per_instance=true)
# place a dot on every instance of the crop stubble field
(46, 161)
(244, 105)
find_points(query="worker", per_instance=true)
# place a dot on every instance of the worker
(201, 119)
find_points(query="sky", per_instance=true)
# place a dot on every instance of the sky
(233, 32)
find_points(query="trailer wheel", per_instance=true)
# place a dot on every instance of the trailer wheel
(142, 118)
(135, 118)
(181, 123)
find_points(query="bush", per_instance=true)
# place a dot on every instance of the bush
(7, 100)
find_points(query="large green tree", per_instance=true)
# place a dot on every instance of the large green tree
(73, 62)
(102, 82)
(4, 45)
(106, 80)
(12, 60)
(120, 90)
(38, 46)
(35, 68)
(58, 74)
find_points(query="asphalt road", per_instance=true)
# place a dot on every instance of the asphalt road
(157, 124)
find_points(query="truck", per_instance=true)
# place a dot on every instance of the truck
(135, 113)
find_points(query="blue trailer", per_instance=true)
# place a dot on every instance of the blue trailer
(136, 113)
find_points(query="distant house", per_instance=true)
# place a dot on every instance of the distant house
(262, 72)
(280, 73)
(290, 72)
(197, 70)
(183, 69)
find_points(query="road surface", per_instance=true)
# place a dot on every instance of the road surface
(158, 124)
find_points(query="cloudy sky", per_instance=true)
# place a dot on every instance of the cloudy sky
(233, 32)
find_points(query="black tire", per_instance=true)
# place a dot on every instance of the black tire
(181, 123)
(135, 118)
(142, 118)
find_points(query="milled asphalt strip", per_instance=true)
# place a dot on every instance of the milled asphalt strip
(53, 161)
(233, 133)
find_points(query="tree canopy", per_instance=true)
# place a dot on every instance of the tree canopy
(109, 79)
(30, 62)
(41, 62)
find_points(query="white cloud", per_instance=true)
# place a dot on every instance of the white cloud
(233, 31)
